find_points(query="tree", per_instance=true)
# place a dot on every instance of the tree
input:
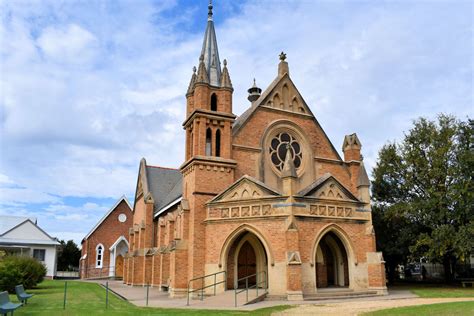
(427, 181)
(68, 255)
(395, 234)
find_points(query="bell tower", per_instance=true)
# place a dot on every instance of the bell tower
(208, 168)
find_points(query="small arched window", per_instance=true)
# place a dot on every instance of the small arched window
(213, 102)
(99, 250)
(208, 142)
(218, 143)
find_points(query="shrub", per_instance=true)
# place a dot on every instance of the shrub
(16, 270)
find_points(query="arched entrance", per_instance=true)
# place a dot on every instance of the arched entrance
(332, 268)
(117, 252)
(246, 258)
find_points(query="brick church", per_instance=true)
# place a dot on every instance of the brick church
(264, 195)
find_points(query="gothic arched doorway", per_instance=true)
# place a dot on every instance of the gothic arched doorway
(332, 268)
(246, 261)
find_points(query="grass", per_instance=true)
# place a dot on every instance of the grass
(443, 292)
(438, 291)
(445, 309)
(89, 299)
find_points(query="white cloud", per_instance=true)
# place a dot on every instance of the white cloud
(87, 89)
(71, 44)
(13, 196)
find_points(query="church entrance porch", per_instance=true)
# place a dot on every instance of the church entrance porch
(246, 262)
(332, 269)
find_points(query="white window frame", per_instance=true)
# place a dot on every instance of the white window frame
(99, 262)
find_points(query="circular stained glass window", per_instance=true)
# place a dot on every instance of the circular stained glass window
(277, 150)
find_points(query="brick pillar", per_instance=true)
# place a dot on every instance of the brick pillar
(294, 282)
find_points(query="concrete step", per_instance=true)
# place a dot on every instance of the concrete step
(343, 294)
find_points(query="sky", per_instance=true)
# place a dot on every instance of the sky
(88, 88)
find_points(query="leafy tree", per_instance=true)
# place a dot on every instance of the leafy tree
(68, 255)
(427, 182)
(395, 234)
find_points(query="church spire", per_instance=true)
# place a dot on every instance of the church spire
(210, 51)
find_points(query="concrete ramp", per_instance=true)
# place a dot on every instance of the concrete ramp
(227, 299)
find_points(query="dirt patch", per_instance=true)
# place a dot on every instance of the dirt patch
(356, 308)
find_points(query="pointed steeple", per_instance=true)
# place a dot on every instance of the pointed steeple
(225, 77)
(210, 52)
(193, 81)
(289, 169)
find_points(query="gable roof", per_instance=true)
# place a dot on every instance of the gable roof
(158, 184)
(245, 178)
(321, 181)
(7, 223)
(260, 102)
(165, 185)
(122, 198)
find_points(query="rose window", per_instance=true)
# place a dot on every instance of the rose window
(278, 150)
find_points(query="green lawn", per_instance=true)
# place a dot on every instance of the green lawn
(444, 309)
(89, 299)
(434, 292)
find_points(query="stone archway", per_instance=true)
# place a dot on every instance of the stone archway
(246, 257)
(332, 265)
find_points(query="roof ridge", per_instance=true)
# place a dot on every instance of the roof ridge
(160, 167)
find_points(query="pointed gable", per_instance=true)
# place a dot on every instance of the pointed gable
(281, 95)
(328, 187)
(158, 185)
(244, 189)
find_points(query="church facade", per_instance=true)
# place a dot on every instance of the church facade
(262, 198)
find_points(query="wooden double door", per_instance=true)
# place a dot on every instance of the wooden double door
(246, 265)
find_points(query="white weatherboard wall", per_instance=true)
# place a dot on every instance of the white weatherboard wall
(27, 235)
(50, 258)
(27, 230)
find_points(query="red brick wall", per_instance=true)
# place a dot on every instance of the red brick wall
(106, 234)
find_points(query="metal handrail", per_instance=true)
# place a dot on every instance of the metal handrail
(202, 278)
(247, 287)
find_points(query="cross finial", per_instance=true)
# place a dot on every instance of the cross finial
(282, 56)
(209, 14)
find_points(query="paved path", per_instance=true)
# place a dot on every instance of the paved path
(357, 308)
(347, 306)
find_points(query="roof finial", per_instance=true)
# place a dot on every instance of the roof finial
(282, 56)
(209, 14)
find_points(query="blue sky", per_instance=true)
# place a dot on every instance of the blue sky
(88, 88)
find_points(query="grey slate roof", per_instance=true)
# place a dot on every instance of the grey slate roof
(165, 185)
(9, 222)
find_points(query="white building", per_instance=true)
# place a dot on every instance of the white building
(22, 236)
